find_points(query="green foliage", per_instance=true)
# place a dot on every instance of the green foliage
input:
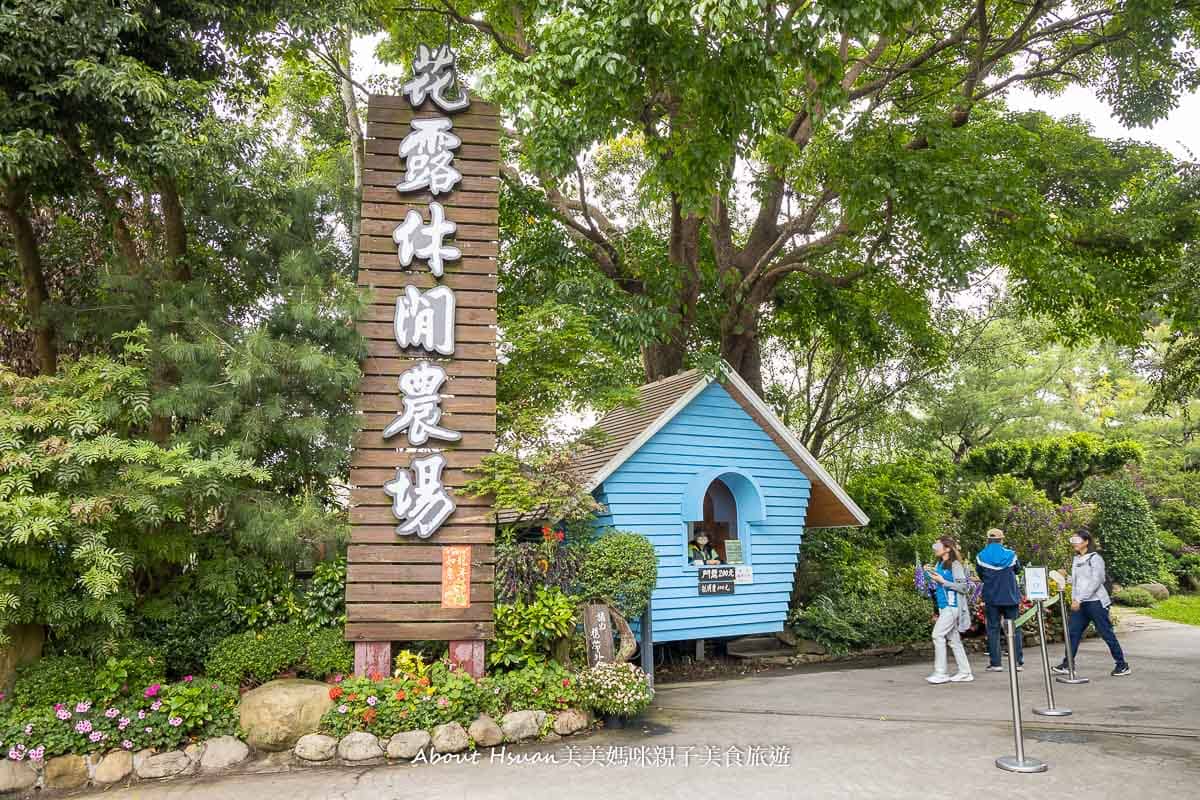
(1041, 536)
(616, 689)
(545, 686)
(620, 568)
(1126, 530)
(903, 500)
(1133, 596)
(1187, 570)
(164, 717)
(254, 657)
(987, 505)
(109, 678)
(524, 568)
(1178, 608)
(833, 562)
(324, 604)
(1058, 465)
(539, 483)
(1181, 520)
(527, 632)
(186, 626)
(842, 623)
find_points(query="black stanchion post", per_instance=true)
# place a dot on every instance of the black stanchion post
(1049, 710)
(1070, 677)
(1018, 762)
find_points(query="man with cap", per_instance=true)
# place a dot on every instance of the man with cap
(998, 568)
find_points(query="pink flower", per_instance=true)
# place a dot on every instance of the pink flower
(58, 706)
(148, 729)
(84, 707)
(142, 714)
(112, 712)
(37, 753)
(156, 705)
(16, 755)
(342, 709)
(338, 678)
(84, 726)
(29, 729)
(62, 713)
(187, 678)
(372, 700)
(175, 722)
(123, 723)
(96, 736)
(128, 745)
(442, 702)
(152, 690)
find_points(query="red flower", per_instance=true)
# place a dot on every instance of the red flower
(566, 681)
(559, 535)
(335, 693)
(423, 681)
(352, 697)
(369, 716)
(375, 676)
(400, 695)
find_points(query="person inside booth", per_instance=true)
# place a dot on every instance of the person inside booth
(700, 552)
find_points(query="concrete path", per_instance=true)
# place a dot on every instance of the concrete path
(849, 733)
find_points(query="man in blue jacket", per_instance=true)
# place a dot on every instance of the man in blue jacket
(1001, 595)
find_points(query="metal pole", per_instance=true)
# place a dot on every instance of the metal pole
(1070, 677)
(1017, 763)
(1049, 710)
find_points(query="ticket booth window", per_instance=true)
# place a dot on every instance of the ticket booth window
(720, 523)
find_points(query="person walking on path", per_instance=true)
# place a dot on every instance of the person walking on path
(998, 568)
(1090, 602)
(953, 614)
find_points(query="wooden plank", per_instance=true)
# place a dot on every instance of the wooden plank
(463, 315)
(467, 151)
(410, 593)
(379, 129)
(372, 479)
(479, 423)
(467, 351)
(386, 458)
(448, 534)
(408, 573)
(456, 386)
(395, 366)
(470, 510)
(402, 115)
(404, 203)
(462, 333)
(373, 440)
(392, 165)
(418, 631)
(382, 515)
(389, 275)
(479, 107)
(416, 612)
(404, 553)
(463, 233)
(469, 248)
(384, 196)
(470, 183)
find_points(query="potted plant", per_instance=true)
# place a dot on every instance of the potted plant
(616, 691)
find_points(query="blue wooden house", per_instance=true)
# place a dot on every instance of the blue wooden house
(703, 454)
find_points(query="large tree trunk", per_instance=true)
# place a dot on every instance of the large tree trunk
(666, 357)
(33, 280)
(355, 131)
(662, 360)
(174, 228)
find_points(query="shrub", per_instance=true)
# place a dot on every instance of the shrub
(616, 689)
(1126, 530)
(58, 679)
(1169, 542)
(324, 604)
(1180, 519)
(1041, 535)
(1057, 464)
(522, 568)
(254, 657)
(187, 627)
(1133, 596)
(159, 716)
(1187, 568)
(842, 623)
(830, 563)
(902, 499)
(620, 568)
(987, 505)
(526, 633)
(538, 687)
(327, 653)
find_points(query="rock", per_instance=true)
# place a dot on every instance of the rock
(276, 714)
(1156, 590)
(194, 752)
(449, 738)
(114, 767)
(66, 772)
(518, 725)
(223, 752)
(570, 721)
(358, 747)
(316, 747)
(164, 765)
(788, 637)
(408, 744)
(551, 737)
(485, 731)
(807, 647)
(16, 776)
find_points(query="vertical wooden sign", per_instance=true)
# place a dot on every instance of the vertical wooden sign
(420, 561)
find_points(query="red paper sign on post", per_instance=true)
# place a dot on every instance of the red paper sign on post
(456, 576)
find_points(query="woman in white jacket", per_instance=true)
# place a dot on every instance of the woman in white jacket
(1090, 602)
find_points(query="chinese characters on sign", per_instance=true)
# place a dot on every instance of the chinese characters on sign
(456, 576)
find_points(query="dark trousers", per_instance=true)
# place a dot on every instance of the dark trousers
(1094, 612)
(996, 633)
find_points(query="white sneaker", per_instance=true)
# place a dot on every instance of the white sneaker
(962, 677)
(938, 678)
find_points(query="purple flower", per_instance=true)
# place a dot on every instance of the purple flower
(152, 690)
(123, 723)
(128, 745)
(175, 722)
(83, 726)
(342, 709)
(84, 707)
(62, 713)
(112, 712)
(187, 678)
(37, 753)
(142, 714)
(156, 705)
(96, 736)
(372, 700)
(16, 755)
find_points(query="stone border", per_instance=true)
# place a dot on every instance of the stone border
(100, 770)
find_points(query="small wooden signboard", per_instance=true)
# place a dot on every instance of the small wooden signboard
(598, 627)
(716, 580)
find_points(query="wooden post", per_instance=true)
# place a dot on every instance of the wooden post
(372, 658)
(648, 645)
(468, 654)
(699, 649)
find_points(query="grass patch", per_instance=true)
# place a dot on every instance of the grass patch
(1177, 608)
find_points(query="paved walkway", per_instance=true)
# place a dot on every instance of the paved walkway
(851, 733)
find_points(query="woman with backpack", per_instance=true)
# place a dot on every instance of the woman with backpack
(1090, 601)
(950, 577)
